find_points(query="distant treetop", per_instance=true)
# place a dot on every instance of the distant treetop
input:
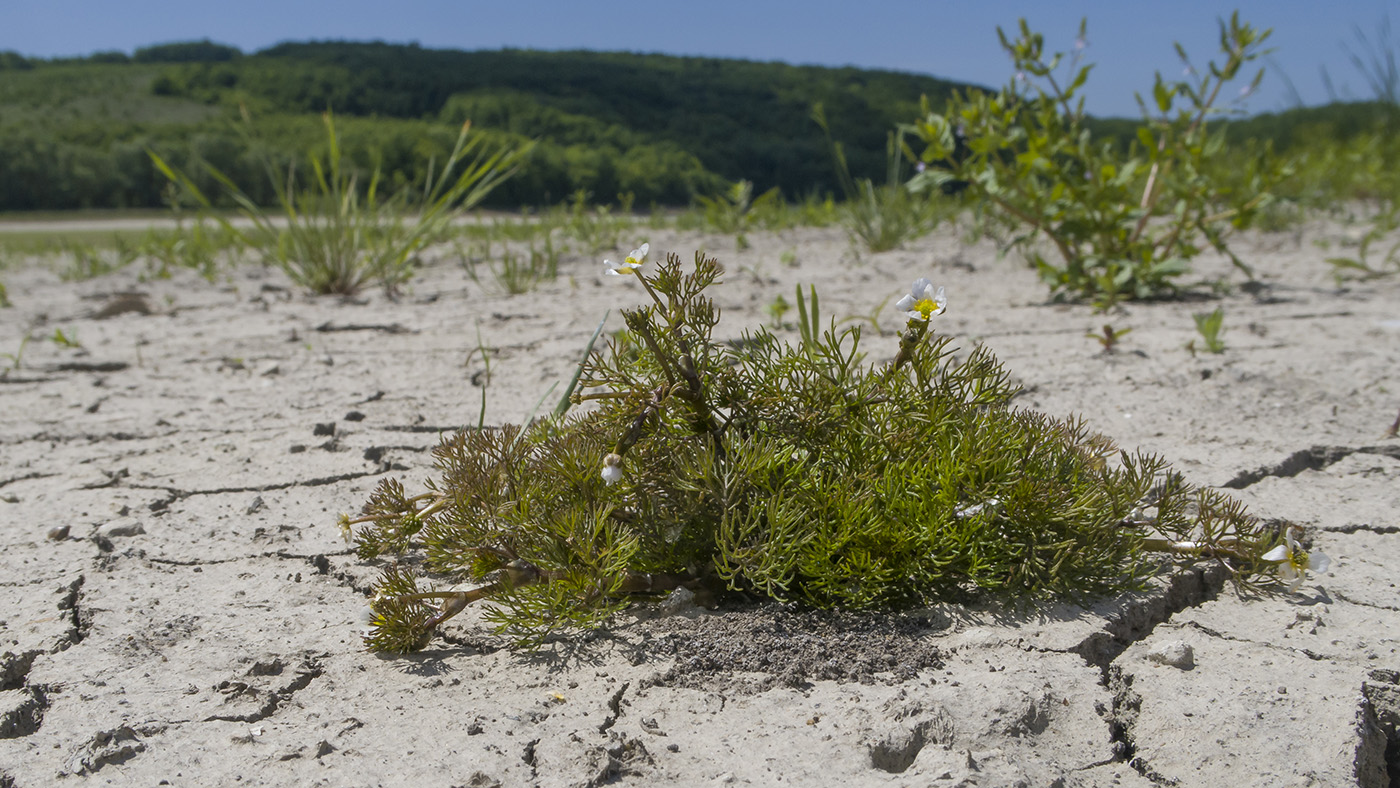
(202, 51)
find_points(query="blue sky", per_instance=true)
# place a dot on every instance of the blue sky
(1129, 39)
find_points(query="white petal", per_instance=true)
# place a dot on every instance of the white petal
(1318, 562)
(921, 285)
(904, 303)
(915, 315)
(1279, 553)
(612, 473)
(941, 300)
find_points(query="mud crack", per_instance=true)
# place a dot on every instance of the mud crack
(1311, 459)
(1378, 754)
(25, 478)
(1138, 618)
(1353, 528)
(614, 708)
(264, 701)
(14, 668)
(109, 747)
(623, 756)
(390, 328)
(25, 716)
(173, 494)
(1122, 720)
(79, 617)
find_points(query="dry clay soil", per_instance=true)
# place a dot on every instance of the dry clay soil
(177, 606)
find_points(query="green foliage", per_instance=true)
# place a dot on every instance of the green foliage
(737, 211)
(1376, 62)
(1121, 224)
(64, 340)
(879, 217)
(203, 51)
(1209, 325)
(518, 271)
(1364, 266)
(335, 239)
(797, 473)
(1108, 337)
(85, 260)
(596, 228)
(11, 60)
(17, 357)
(202, 246)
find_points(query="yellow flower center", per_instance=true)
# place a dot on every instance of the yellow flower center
(926, 307)
(1298, 560)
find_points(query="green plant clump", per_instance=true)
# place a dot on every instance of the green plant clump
(790, 472)
(1119, 224)
(336, 235)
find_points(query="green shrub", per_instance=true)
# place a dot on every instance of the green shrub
(1097, 221)
(789, 472)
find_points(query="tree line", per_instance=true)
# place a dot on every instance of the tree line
(74, 132)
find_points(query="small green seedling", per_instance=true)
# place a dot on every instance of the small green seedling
(778, 308)
(1108, 337)
(1209, 325)
(63, 340)
(16, 357)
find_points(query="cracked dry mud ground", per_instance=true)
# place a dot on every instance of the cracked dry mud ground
(176, 606)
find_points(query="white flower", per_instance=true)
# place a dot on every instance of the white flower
(368, 620)
(923, 301)
(631, 264)
(612, 469)
(1294, 561)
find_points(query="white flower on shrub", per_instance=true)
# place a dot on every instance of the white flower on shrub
(922, 302)
(631, 264)
(1294, 561)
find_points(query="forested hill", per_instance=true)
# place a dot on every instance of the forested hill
(741, 119)
(662, 128)
(74, 133)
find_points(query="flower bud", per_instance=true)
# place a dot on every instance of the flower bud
(612, 468)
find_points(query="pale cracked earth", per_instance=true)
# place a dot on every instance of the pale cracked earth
(177, 606)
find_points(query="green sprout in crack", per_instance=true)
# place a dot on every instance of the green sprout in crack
(793, 472)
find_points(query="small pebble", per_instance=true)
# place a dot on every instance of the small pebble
(58, 533)
(126, 526)
(679, 602)
(1175, 653)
